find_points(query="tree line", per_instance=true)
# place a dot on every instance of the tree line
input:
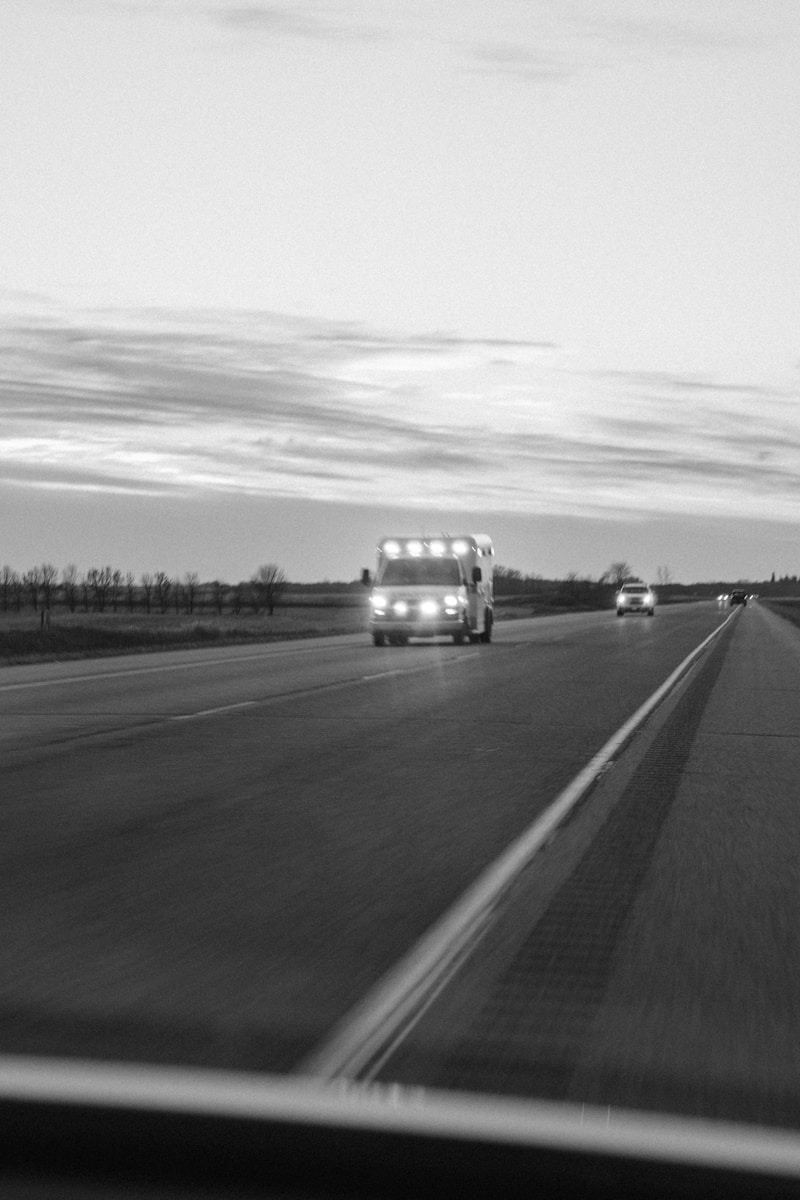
(574, 588)
(108, 589)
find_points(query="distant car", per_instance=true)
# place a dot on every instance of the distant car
(738, 596)
(635, 597)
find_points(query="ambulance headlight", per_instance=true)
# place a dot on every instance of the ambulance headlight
(400, 608)
(378, 601)
(451, 601)
(429, 608)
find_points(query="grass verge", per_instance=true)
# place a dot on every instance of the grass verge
(93, 635)
(788, 608)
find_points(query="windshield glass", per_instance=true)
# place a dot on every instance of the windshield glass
(442, 572)
(289, 286)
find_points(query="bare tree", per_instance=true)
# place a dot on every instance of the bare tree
(17, 589)
(99, 580)
(162, 585)
(177, 593)
(191, 582)
(617, 574)
(130, 590)
(238, 597)
(115, 587)
(7, 575)
(147, 590)
(48, 574)
(92, 588)
(218, 590)
(32, 582)
(269, 583)
(663, 577)
(69, 584)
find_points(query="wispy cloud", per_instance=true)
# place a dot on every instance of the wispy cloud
(542, 64)
(545, 44)
(562, 43)
(653, 32)
(267, 405)
(306, 19)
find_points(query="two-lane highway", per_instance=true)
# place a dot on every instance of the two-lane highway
(211, 857)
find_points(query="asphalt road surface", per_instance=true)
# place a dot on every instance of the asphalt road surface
(210, 857)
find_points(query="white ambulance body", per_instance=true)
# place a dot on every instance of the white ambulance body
(429, 587)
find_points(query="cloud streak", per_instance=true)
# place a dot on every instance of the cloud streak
(569, 41)
(311, 20)
(561, 42)
(261, 404)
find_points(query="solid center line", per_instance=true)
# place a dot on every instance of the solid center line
(315, 689)
(208, 712)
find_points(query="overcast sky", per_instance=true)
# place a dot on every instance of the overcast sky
(279, 278)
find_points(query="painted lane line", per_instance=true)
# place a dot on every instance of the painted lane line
(316, 689)
(357, 1047)
(210, 712)
(188, 666)
(456, 658)
(91, 677)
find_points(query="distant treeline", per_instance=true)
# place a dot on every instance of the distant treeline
(108, 589)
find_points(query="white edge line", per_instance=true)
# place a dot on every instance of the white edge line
(393, 1109)
(261, 650)
(355, 1040)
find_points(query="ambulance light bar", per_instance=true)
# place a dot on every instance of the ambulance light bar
(393, 547)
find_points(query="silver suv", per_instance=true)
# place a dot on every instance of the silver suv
(635, 597)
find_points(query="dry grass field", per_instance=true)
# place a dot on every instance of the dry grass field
(24, 637)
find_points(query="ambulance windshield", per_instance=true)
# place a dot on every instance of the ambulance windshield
(421, 572)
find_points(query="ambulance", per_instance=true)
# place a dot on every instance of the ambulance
(432, 587)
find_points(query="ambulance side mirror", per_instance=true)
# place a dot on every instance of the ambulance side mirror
(366, 578)
(477, 575)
